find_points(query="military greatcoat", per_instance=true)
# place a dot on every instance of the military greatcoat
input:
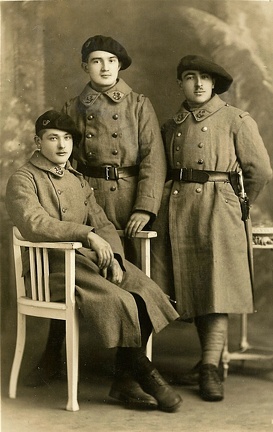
(200, 257)
(48, 203)
(120, 129)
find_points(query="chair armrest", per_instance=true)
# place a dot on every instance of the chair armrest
(140, 234)
(20, 241)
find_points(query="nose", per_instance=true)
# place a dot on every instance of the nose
(105, 66)
(198, 81)
(61, 143)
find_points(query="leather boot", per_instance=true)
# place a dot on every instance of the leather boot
(210, 384)
(127, 390)
(153, 383)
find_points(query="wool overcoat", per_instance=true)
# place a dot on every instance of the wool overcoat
(200, 256)
(48, 203)
(120, 129)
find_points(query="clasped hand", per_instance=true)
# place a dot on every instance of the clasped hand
(105, 256)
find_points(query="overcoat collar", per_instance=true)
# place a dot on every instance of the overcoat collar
(201, 113)
(41, 162)
(116, 93)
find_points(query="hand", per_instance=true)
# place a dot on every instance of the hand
(136, 223)
(115, 273)
(102, 248)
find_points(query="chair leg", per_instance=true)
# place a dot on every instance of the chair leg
(72, 360)
(19, 350)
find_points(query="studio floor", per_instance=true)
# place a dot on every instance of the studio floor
(247, 406)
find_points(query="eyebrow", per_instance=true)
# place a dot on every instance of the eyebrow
(99, 58)
(56, 135)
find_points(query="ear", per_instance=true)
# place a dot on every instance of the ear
(119, 65)
(213, 83)
(37, 141)
(85, 67)
(180, 83)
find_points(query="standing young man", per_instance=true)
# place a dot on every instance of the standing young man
(121, 153)
(201, 254)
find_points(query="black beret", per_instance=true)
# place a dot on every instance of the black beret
(105, 43)
(193, 62)
(56, 120)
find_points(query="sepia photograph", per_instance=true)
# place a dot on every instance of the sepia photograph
(136, 215)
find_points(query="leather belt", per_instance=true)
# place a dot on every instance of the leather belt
(201, 176)
(108, 172)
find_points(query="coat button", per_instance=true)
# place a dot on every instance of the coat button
(82, 185)
(178, 163)
(200, 161)
(175, 192)
(89, 154)
(198, 190)
(114, 152)
(59, 192)
(115, 116)
(115, 135)
(177, 148)
(113, 188)
(90, 117)
(89, 135)
(64, 209)
(201, 145)
(85, 203)
(179, 134)
(204, 129)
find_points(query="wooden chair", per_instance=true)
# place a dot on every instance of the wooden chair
(39, 305)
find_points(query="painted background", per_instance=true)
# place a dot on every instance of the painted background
(40, 59)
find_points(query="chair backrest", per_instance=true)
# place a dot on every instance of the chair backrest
(39, 267)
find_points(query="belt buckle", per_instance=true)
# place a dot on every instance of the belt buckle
(185, 174)
(111, 173)
(107, 169)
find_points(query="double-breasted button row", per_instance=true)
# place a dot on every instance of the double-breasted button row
(91, 117)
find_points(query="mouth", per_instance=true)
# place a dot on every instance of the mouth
(199, 93)
(61, 153)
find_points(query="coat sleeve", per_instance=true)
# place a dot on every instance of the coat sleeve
(152, 163)
(32, 219)
(253, 157)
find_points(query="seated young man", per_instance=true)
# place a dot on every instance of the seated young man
(50, 201)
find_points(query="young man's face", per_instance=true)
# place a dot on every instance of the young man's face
(103, 68)
(55, 145)
(197, 87)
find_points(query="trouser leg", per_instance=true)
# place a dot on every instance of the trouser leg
(212, 332)
(135, 358)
